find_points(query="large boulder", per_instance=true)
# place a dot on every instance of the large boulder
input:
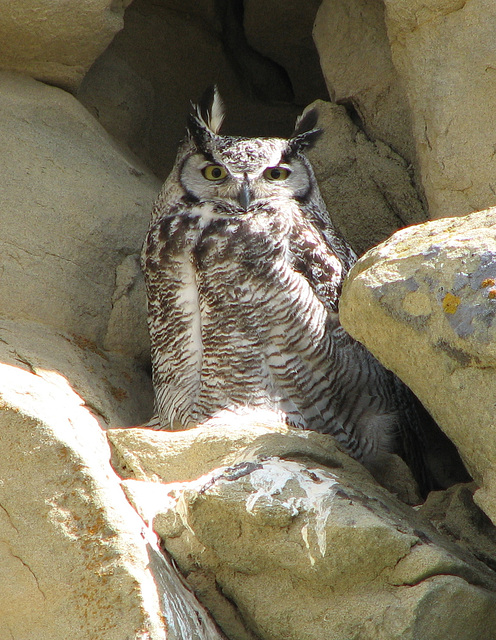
(367, 187)
(424, 303)
(76, 560)
(57, 41)
(74, 210)
(294, 539)
(74, 564)
(355, 57)
(444, 54)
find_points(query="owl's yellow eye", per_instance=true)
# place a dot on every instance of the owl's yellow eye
(276, 173)
(214, 172)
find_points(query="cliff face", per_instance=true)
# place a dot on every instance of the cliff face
(278, 533)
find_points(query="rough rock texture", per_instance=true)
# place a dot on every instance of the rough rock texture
(121, 397)
(73, 213)
(366, 186)
(179, 456)
(454, 514)
(76, 560)
(65, 526)
(57, 41)
(300, 538)
(429, 296)
(122, 101)
(450, 95)
(355, 56)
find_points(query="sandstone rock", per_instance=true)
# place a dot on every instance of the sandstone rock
(366, 186)
(73, 213)
(423, 303)
(279, 533)
(454, 514)
(355, 56)
(113, 388)
(277, 544)
(122, 101)
(181, 456)
(72, 565)
(76, 560)
(57, 42)
(451, 96)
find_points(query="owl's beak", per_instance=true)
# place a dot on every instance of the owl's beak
(244, 195)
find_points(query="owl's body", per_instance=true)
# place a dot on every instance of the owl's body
(244, 270)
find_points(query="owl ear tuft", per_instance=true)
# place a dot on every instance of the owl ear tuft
(306, 133)
(212, 109)
(206, 117)
(306, 122)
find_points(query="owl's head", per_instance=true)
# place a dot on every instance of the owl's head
(241, 173)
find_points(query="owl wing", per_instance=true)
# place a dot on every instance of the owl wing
(376, 392)
(173, 313)
(372, 397)
(321, 256)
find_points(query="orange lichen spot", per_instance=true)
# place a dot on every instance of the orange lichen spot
(488, 282)
(450, 303)
(492, 294)
(118, 393)
(85, 343)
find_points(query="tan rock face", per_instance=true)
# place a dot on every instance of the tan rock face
(404, 68)
(73, 213)
(74, 563)
(455, 515)
(121, 397)
(366, 186)
(179, 456)
(428, 297)
(302, 541)
(355, 56)
(76, 560)
(450, 95)
(279, 533)
(57, 41)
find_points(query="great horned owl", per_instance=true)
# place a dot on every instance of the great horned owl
(243, 270)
